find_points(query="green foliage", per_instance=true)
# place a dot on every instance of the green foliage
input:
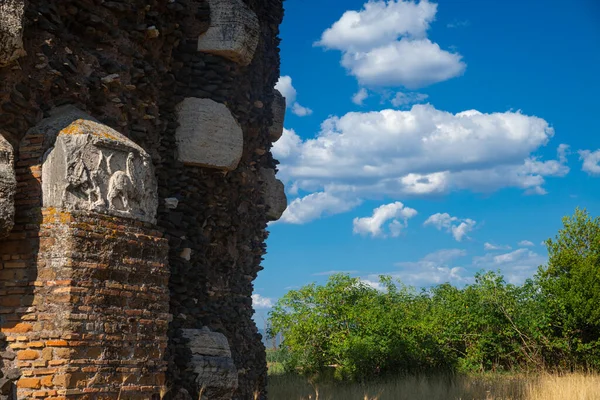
(571, 287)
(354, 331)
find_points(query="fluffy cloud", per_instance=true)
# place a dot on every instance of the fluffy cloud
(360, 96)
(492, 247)
(301, 111)
(526, 243)
(405, 99)
(374, 283)
(385, 44)
(314, 206)
(259, 302)
(433, 269)
(419, 152)
(444, 266)
(516, 266)
(458, 227)
(591, 161)
(287, 90)
(396, 212)
(410, 63)
(378, 23)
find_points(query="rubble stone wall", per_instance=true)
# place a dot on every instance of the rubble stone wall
(96, 303)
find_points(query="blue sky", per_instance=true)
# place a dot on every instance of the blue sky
(430, 140)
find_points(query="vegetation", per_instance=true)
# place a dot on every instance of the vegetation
(352, 331)
(435, 387)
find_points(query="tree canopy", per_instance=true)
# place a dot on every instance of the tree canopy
(551, 321)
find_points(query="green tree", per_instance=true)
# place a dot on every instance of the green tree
(361, 331)
(571, 287)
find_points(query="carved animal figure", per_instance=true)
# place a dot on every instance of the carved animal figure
(122, 184)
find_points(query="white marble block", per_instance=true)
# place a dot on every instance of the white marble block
(11, 30)
(233, 31)
(278, 107)
(211, 361)
(274, 193)
(8, 187)
(92, 167)
(208, 135)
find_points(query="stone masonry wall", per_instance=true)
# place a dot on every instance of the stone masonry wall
(128, 64)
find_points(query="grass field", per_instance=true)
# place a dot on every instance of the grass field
(493, 387)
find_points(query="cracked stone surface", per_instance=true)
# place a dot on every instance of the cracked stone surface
(212, 362)
(275, 197)
(8, 187)
(208, 134)
(278, 107)
(233, 32)
(11, 30)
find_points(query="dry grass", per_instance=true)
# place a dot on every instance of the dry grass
(568, 387)
(516, 387)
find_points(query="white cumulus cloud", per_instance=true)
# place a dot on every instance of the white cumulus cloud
(374, 283)
(301, 111)
(287, 90)
(444, 266)
(526, 243)
(260, 302)
(396, 212)
(433, 269)
(385, 44)
(360, 96)
(516, 265)
(458, 227)
(419, 152)
(405, 99)
(491, 247)
(314, 206)
(591, 161)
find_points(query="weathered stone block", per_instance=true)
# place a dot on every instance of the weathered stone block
(275, 197)
(217, 377)
(233, 31)
(8, 187)
(11, 30)
(206, 343)
(278, 107)
(92, 167)
(208, 135)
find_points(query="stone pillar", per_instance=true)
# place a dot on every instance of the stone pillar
(85, 294)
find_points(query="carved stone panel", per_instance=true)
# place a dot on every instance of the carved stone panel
(92, 167)
(8, 187)
(278, 107)
(208, 135)
(11, 30)
(233, 31)
(275, 197)
(211, 360)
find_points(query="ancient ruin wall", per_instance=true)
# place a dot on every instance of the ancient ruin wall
(106, 291)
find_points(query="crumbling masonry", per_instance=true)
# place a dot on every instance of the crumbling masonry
(136, 183)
